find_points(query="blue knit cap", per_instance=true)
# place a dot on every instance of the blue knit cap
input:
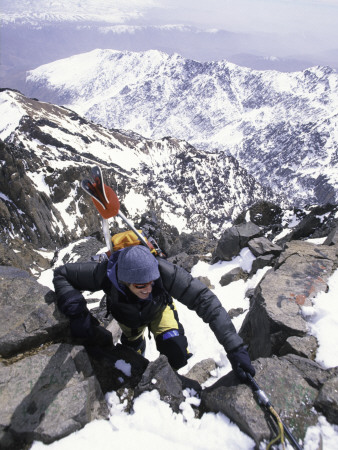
(136, 264)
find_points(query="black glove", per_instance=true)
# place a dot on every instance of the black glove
(241, 363)
(82, 325)
(101, 337)
(86, 326)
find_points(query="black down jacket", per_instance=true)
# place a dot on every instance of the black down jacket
(70, 279)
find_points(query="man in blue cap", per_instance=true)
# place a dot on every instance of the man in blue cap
(139, 289)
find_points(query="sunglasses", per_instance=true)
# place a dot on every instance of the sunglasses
(142, 286)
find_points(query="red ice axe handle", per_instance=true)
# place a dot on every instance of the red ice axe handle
(112, 209)
(108, 209)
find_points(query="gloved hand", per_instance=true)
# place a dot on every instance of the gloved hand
(241, 363)
(86, 326)
(101, 337)
(82, 325)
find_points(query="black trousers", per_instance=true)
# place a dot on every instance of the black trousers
(169, 336)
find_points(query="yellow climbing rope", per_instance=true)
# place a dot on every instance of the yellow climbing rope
(280, 436)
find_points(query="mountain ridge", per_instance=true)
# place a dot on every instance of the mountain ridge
(281, 127)
(49, 149)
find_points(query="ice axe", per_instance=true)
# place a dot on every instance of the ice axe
(263, 400)
(107, 204)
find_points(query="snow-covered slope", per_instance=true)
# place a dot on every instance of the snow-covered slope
(282, 127)
(50, 148)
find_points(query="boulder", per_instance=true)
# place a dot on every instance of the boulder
(311, 371)
(332, 238)
(206, 281)
(234, 239)
(31, 315)
(235, 312)
(262, 213)
(293, 400)
(261, 262)
(261, 246)
(275, 314)
(201, 371)
(327, 400)
(233, 275)
(48, 396)
(303, 346)
(160, 376)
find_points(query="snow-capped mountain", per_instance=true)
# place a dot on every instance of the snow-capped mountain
(49, 149)
(36, 32)
(282, 127)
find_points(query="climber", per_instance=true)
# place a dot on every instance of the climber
(139, 289)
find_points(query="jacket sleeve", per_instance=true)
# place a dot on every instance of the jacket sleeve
(69, 280)
(196, 296)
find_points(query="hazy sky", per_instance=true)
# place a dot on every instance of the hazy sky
(319, 17)
(315, 16)
(296, 29)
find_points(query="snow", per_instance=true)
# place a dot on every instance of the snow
(38, 180)
(10, 113)
(154, 425)
(135, 203)
(176, 221)
(323, 323)
(124, 367)
(323, 436)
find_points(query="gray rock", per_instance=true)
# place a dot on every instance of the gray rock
(31, 315)
(303, 346)
(48, 396)
(327, 400)
(200, 372)
(228, 245)
(262, 246)
(316, 222)
(197, 243)
(332, 238)
(262, 261)
(262, 213)
(24, 255)
(248, 231)
(233, 275)
(83, 251)
(206, 281)
(235, 312)
(115, 330)
(234, 239)
(184, 260)
(294, 401)
(159, 375)
(302, 271)
(311, 371)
